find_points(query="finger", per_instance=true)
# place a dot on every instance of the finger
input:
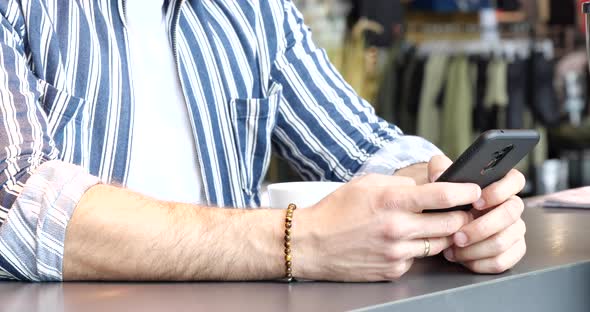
(430, 225)
(418, 172)
(416, 248)
(431, 196)
(491, 247)
(500, 263)
(437, 165)
(491, 223)
(398, 269)
(500, 191)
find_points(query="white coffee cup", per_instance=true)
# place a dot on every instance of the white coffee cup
(302, 194)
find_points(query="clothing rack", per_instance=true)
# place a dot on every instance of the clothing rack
(450, 91)
(437, 29)
(509, 48)
(424, 27)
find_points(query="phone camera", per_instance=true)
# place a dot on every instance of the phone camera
(508, 148)
(497, 158)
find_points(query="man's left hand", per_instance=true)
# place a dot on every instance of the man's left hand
(493, 241)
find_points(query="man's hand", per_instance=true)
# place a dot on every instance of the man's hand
(493, 241)
(372, 228)
(417, 172)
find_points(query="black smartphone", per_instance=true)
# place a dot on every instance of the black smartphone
(489, 159)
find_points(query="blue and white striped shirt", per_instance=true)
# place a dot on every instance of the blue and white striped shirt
(253, 82)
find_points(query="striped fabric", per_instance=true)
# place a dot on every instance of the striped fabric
(253, 81)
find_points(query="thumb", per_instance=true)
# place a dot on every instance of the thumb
(437, 165)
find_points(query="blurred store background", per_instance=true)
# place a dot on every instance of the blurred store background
(448, 70)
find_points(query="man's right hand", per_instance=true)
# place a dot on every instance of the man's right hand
(372, 228)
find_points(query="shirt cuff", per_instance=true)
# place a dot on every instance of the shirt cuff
(403, 152)
(32, 237)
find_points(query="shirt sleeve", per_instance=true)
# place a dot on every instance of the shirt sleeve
(32, 238)
(37, 192)
(324, 129)
(403, 152)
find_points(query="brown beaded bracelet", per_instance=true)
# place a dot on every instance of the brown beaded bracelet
(288, 257)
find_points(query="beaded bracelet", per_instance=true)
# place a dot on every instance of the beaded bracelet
(288, 257)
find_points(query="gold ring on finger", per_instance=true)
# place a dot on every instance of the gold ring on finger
(426, 248)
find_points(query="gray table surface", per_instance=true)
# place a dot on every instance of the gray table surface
(553, 276)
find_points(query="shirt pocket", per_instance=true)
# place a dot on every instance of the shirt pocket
(61, 107)
(64, 121)
(253, 121)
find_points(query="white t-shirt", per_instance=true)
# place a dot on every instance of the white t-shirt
(164, 161)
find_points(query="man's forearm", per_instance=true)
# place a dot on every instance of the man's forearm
(116, 234)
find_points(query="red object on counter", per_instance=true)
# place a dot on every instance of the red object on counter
(581, 15)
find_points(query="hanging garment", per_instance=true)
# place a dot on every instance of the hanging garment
(497, 90)
(543, 98)
(386, 95)
(543, 10)
(357, 62)
(496, 97)
(481, 114)
(409, 71)
(456, 131)
(517, 94)
(433, 82)
(413, 90)
(576, 62)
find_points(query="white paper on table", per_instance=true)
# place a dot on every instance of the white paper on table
(576, 198)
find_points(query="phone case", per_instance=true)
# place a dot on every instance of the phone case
(490, 158)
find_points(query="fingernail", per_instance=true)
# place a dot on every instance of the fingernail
(460, 239)
(449, 255)
(480, 203)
